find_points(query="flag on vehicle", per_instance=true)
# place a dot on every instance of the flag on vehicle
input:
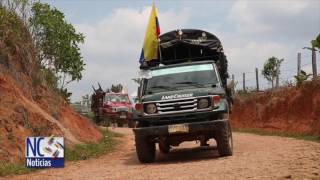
(150, 45)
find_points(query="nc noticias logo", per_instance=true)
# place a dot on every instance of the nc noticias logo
(42, 152)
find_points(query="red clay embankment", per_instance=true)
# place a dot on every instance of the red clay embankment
(28, 106)
(290, 109)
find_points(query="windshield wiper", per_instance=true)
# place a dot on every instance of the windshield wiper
(191, 83)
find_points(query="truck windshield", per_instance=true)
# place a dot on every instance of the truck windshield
(116, 98)
(184, 77)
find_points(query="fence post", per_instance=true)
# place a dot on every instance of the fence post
(314, 63)
(257, 79)
(277, 77)
(244, 82)
(299, 64)
(233, 84)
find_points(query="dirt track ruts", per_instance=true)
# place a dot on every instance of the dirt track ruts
(255, 157)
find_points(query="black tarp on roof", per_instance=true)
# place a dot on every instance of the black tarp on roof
(192, 37)
(189, 45)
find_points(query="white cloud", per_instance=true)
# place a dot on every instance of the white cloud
(253, 55)
(281, 18)
(112, 46)
(252, 32)
(262, 29)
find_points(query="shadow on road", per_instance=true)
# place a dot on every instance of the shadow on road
(179, 155)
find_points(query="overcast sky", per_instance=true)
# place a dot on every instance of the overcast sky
(251, 31)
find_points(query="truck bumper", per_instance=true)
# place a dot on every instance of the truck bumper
(189, 117)
(188, 128)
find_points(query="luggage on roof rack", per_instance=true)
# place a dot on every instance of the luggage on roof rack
(189, 45)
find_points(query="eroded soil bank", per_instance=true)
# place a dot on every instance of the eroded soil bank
(290, 109)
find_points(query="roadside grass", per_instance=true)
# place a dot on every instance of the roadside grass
(77, 152)
(10, 168)
(279, 133)
(92, 150)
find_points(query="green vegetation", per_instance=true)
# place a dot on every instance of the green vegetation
(57, 43)
(271, 69)
(116, 88)
(303, 76)
(78, 152)
(85, 151)
(41, 32)
(279, 133)
(10, 168)
(316, 42)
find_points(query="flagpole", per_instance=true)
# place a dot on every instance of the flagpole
(159, 47)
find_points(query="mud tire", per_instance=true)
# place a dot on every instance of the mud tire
(225, 141)
(146, 150)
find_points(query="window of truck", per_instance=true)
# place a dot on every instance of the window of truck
(116, 98)
(183, 77)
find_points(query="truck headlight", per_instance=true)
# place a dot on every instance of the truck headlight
(151, 108)
(203, 103)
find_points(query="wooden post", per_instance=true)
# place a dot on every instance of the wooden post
(299, 64)
(244, 82)
(257, 79)
(233, 83)
(277, 77)
(314, 63)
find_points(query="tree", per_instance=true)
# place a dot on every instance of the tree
(316, 43)
(303, 76)
(271, 69)
(57, 43)
(116, 88)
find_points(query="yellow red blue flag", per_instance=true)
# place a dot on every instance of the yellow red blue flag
(151, 39)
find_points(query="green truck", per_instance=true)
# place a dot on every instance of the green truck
(183, 96)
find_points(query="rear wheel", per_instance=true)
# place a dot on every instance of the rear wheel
(146, 150)
(97, 119)
(105, 122)
(120, 122)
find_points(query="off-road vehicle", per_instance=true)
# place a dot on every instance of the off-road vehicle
(183, 96)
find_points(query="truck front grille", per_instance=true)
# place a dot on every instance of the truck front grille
(177, 105)
(120, 109)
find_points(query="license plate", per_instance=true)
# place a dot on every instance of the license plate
(178, 128)
(123, 116)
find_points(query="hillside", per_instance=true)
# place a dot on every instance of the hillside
(28, 106)
(290, 109)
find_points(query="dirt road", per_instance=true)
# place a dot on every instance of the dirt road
(255, 157)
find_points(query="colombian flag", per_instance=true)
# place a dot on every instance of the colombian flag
(150, 45)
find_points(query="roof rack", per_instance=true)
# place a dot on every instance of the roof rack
(186, 45)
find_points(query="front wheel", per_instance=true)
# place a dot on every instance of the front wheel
(225, 141)
(120, 123)
(146, 150)
(131, 123)
(164, 148)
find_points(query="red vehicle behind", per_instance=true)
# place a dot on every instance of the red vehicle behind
(109, 107)
(117, 108)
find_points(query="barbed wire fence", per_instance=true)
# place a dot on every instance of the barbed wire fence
(254, 81)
